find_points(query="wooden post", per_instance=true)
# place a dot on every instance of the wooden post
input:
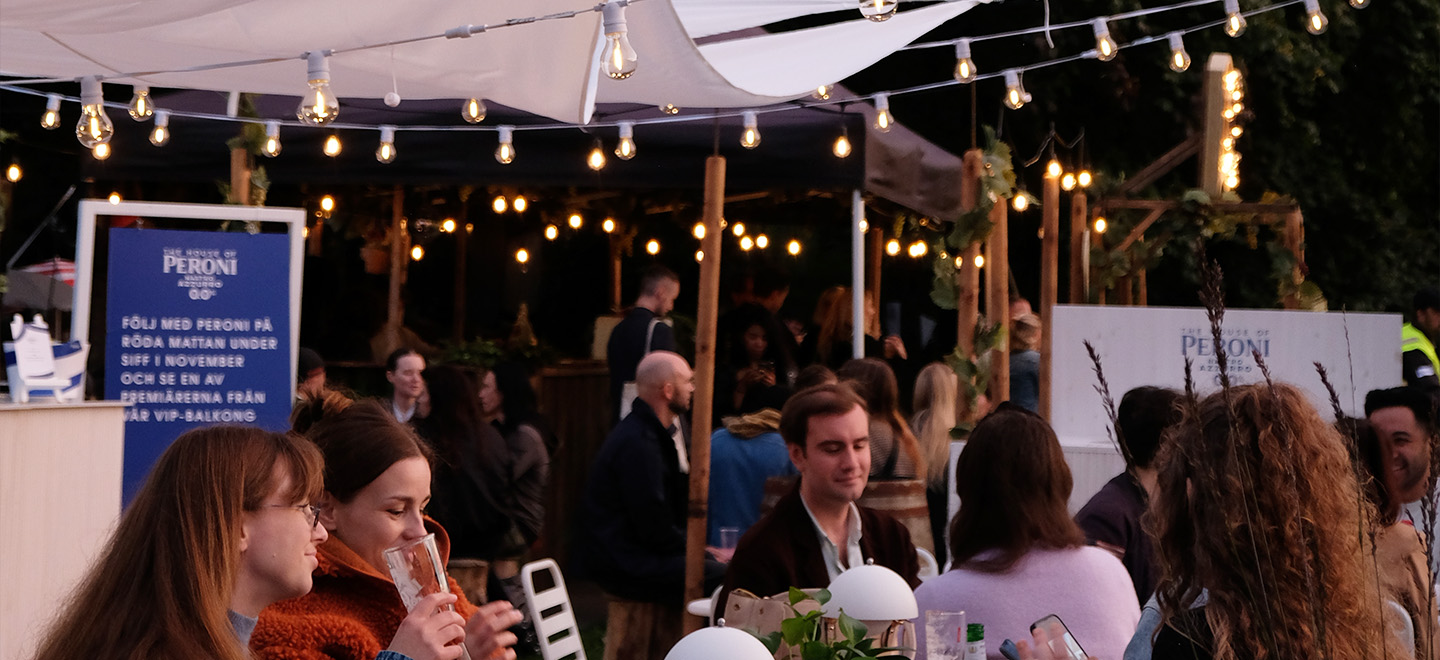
(1124, 292)
(1142, 294)
(1079, 223)
(1049, 284)
(617, 299)
(399, 247)
(997, 296)
(240, 176)
(1097, 242)
(967, 302)
(1295, 242)
(462, 249)
(703, 401)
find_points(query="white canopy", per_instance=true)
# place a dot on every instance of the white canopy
(548, 67)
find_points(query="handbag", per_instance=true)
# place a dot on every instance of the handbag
(629, 391)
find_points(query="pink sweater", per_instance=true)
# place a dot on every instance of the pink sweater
(1088, 587)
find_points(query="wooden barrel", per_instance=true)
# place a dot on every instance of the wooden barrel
(903, 500)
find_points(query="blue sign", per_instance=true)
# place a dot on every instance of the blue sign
(197, 333)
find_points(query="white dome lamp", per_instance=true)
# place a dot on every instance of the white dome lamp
(719, 643)
(874, 594)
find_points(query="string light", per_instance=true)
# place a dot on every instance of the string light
(670, 109)
(793, 247)
(964, 65)
(160, 135)
(417, 253)
(864, 225)
(1315, 21)
(94, 127)
(271, 147)
(746, 243)
(1105, 47)
(576, 221)
(762, 241)
(699, 256)
(332, 146)
(918, 249)
(979, 261)
(596, 159)
(878, 10)
(1234, 20)
(519, 204)
(474, 111)
(608, 225)
(750, 138)
(892, 247)
(698, 230)
(51, 119)
(505, 153)
(619, 57)
(141, 108)
(1179, 59)
(1015, 94)
(1020, 201)
(883, 119)
(469, 228)
(522, 255)
(1359, 4)
(842, 144)
(821, 93)
(1053, 169)
(115, 199)
(499, 205)
(1100, 225)
(13, 173)
(448, 226)
(318, 106)
(551, 232)
(625, 148)
(101, 151)
(1083, 178)
(652, 247)
(738, 229)
(327, 203)
(959, 262)
(385, 153)
(1067, 182)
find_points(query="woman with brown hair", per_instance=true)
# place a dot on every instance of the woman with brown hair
(1258, 509)
(1018, 556)
(223, 527)
(834, 339)
(894, 450)
(377, 485)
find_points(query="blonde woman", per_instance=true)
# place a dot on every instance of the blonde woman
(936, 392)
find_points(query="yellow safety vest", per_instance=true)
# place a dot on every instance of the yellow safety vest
(1412, 339)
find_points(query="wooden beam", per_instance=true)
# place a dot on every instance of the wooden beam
(240, 176)
(967, 303)
(1139, 231)
(997, 296)
(1079, 222)
(1159, 167)
(1049, 285)
(1260, 208)
(1142, 293)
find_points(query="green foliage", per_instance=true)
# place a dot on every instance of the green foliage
(975, 372)
(805, 633)
(485, 354)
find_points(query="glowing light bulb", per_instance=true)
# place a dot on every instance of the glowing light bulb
(1015, 95)
(1179, 59)
(469, 228)
(608, 226)
(332, 146)
(1053, 169)
(596, 159)
(1020, 202)
(618, 59)
(522, 255)
(499, 205)
(746, 243)
(738, 229)
(625, 148)
(1232, 182)
(959, 262)
(1083, 178)
(448, 225)
(1105, 46)
(505, 153)
(94, 127)
(670, 109)
(1067, 182)
(13, 173)
(101, 151)
(698, 230)
(575, 221)
(551, 232)
(1234, 20)
(652, 246)
(821, 93)
(160, 135)
(793, 247)
(141, 108)
(473, 111)
(842, 146)
(979, 261)
(318, 106)
(964, 65)
(883, 119)
(51, 119)
(864, 225)
(1235, 131)
(919, 249)
(1315, 21)
(115, 198)
(699, 256)
(892, 247)
(878, 10)
(385, 153)
(327, 203)
(1100, 225)
(1359, 4)
(271, 147)
(417, 253)
(762, 241)
(750, 138)
(519, 204)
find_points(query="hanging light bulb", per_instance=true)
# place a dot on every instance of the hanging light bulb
(140, 106)
(625, 148)
(964, 66)
(699, 256)
(821, 93)
(1067, 182)
(94, 127)
(738, 229)
(1105, 46)
(1100, 225)
(596, 159)
(608, 225)
(919, 249)
(13, 173)
(1053, 169)
(1083, 178)
(878, 10)
(670, 109)
(652, 247)
(864, 225)
(385, 153)
(332, 146)
(473, 111)
(842, 144)
(1359, 4)
(51, 119)
(160, 135)
(327, 203)
(101, 151)
(519, 204)
(1015, 95)
(114, 199)
(979, 261)
(417, 253)
(762, 241)
(883, 118)
(576, 221)
(551, 232)
(892, 247)
(318, 106)
(1179, 59)
(499, 205)
(698, 230)
(750, 138)
(1235, 131)
(505, 153)
(271, 147)
(746, 243)
(1020, 202)
(448, 225)
(619, 58)
(1315, 21)
(1234, 20)
(522, 255)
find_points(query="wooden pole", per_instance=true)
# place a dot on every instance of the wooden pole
(1049, 284)
(1142, 293)
(1124, 292)
(1097, 242)
(399, 246)
(703, 401)
(1079, 222)
(997, 296)
(240, 176)
(967, 302)
(1295, 242)
(617, 300)
(462, 250)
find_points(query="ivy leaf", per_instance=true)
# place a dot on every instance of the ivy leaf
(822, 596)
(796, 630)
(771, 642)
(851, 628)
(816, 651)
(796, 596)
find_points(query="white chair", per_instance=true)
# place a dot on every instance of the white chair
(551, 613)
(705, 607)
(929, 568)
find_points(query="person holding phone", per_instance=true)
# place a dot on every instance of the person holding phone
(760, 370)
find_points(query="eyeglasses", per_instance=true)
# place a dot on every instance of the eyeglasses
(311, 511)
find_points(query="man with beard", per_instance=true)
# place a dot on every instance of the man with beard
(633, 516)
(1406, 416)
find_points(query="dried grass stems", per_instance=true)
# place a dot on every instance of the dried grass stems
(1117, 435)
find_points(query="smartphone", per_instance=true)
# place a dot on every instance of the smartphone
(766, 366)
(1053, 621)
(1008, 649)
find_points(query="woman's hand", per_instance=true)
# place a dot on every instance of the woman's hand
(894, 346)
(1049, 644)
(431, 631)
(487, 633)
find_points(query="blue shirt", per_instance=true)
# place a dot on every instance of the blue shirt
(738, 470)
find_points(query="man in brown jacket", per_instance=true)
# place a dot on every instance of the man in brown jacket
(816, 531)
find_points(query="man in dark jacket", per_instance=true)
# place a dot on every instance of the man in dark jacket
(641, 331)
(816, 531)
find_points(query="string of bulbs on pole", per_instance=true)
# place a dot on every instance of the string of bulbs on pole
(320, 107)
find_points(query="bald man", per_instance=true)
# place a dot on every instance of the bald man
(633, 528)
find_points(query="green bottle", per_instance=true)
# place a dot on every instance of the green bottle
(975, 641)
